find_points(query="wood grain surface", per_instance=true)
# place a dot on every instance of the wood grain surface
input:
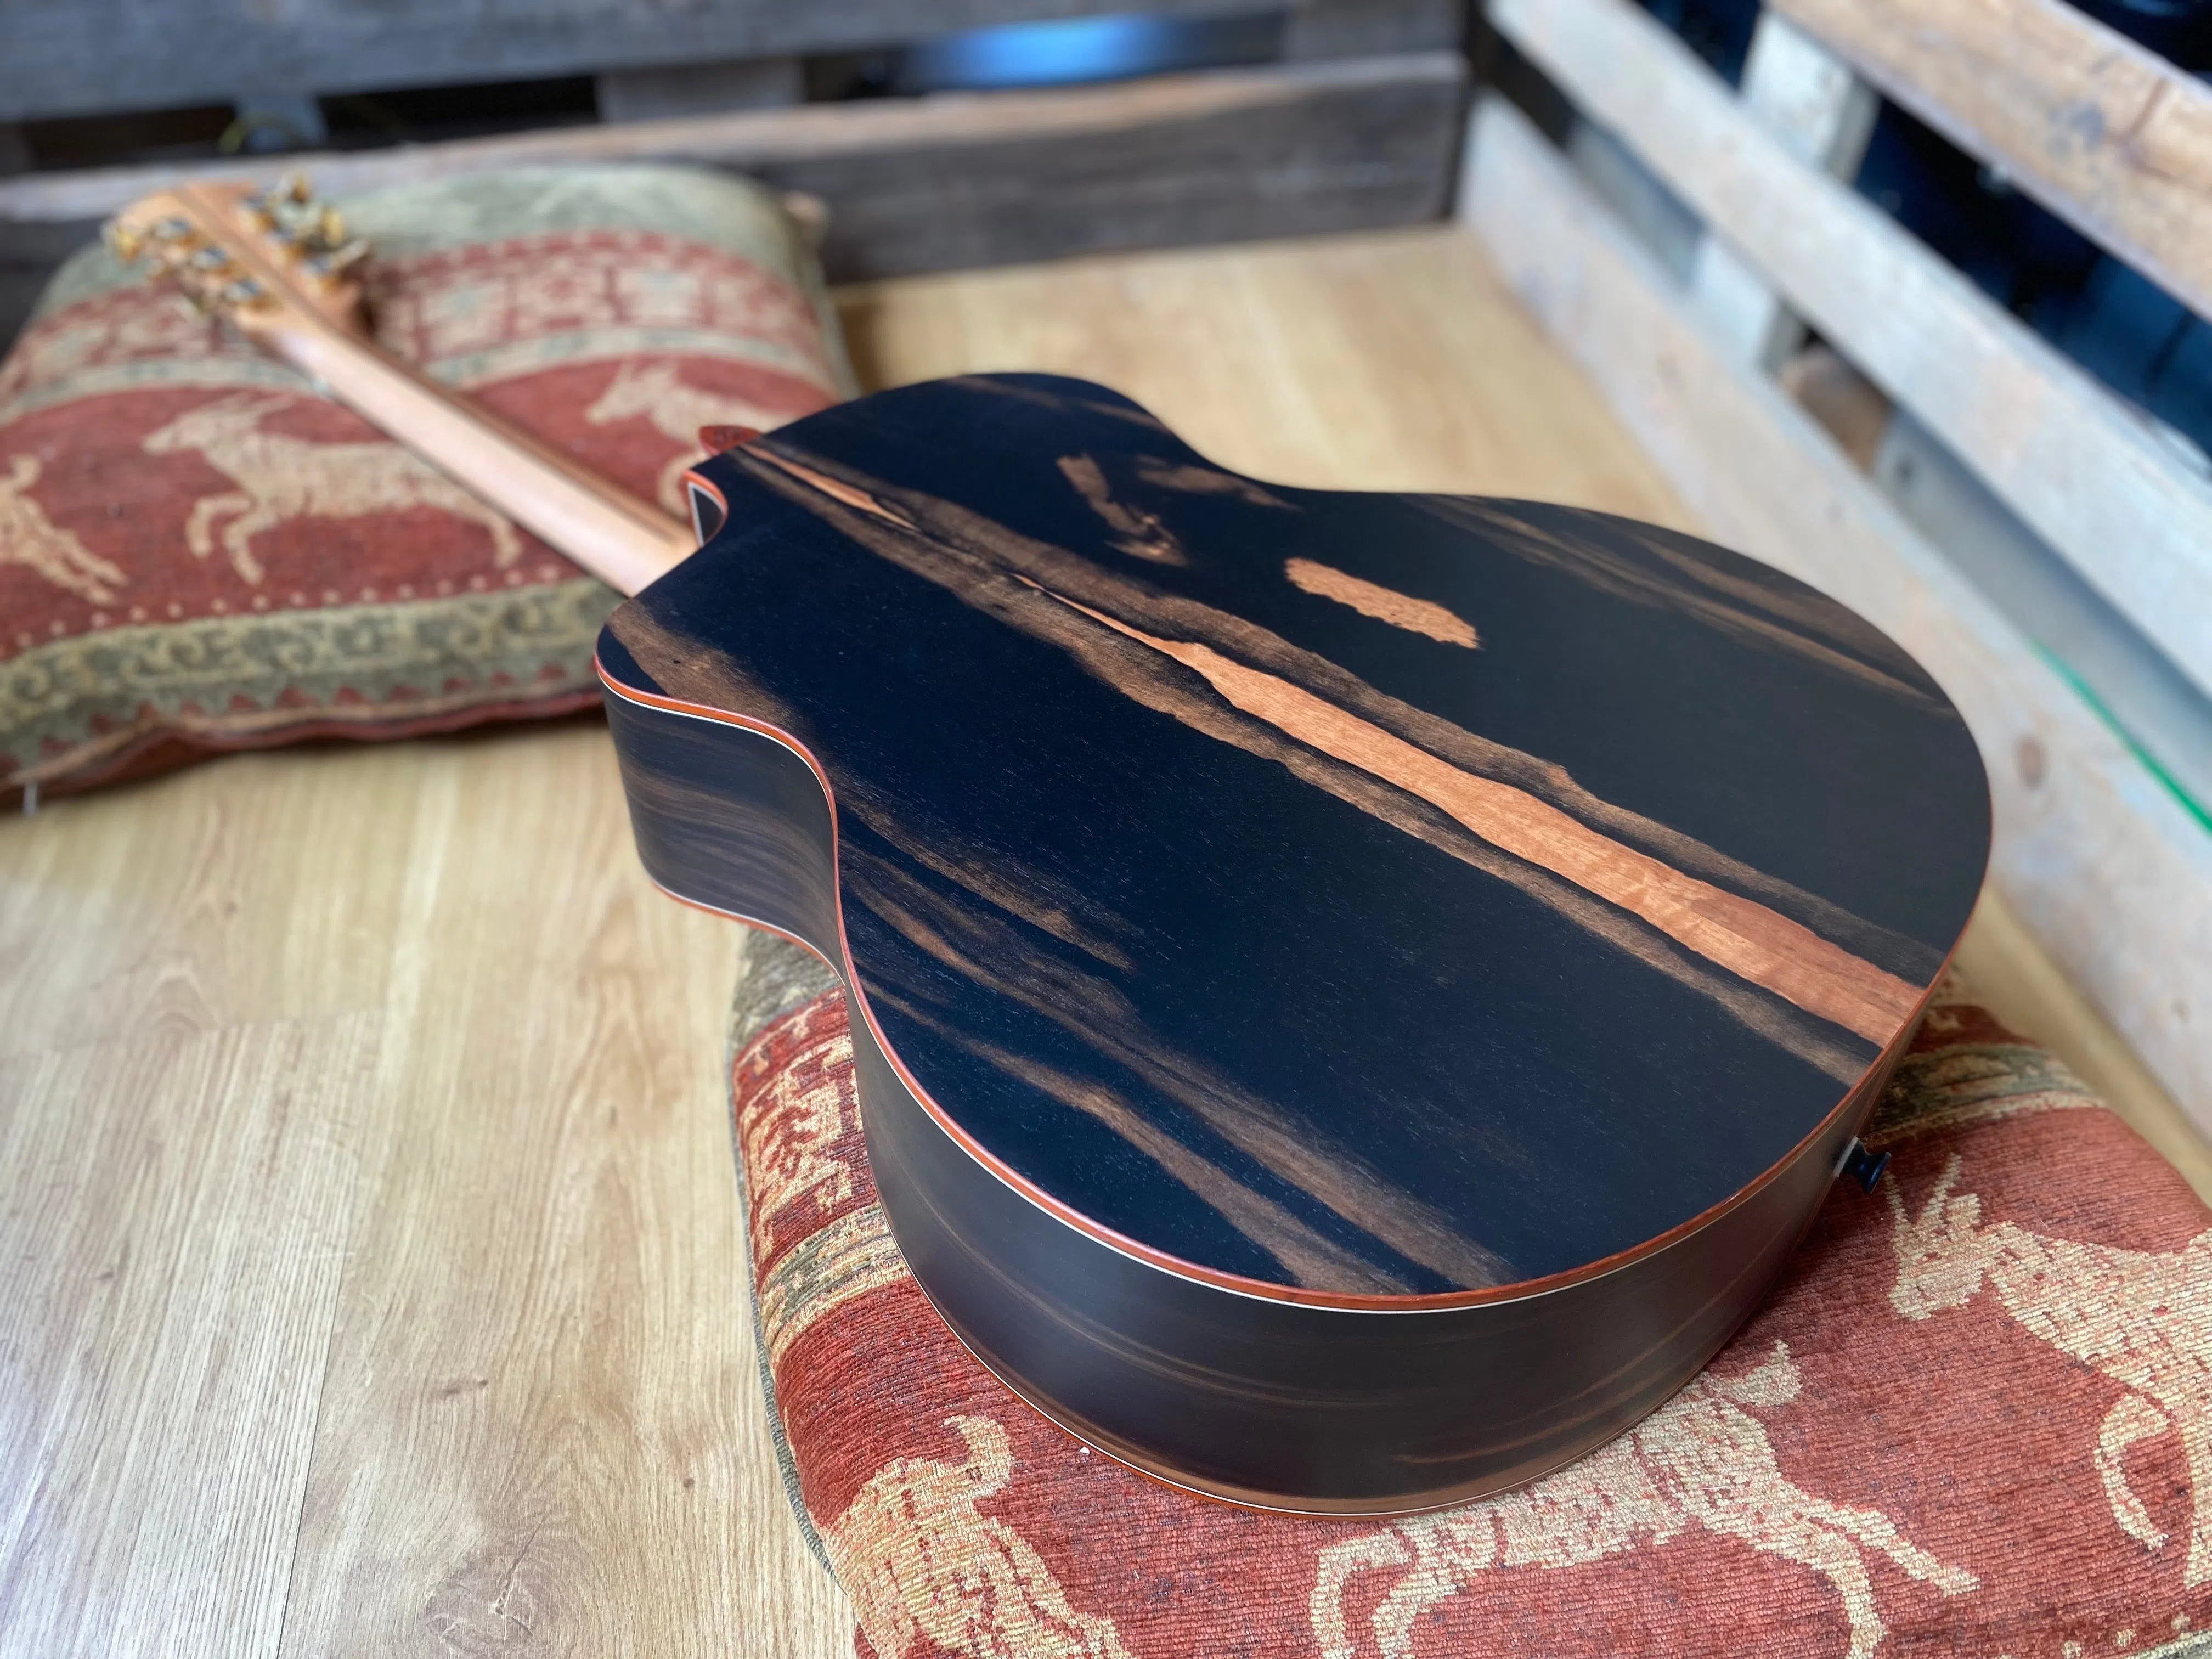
(1324, 902)
(91, 58)
(105, 55)
(314, 999)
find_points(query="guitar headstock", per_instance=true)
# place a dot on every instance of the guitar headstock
(260, 257)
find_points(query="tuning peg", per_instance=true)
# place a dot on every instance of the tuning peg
(130, 241)
(331, 263)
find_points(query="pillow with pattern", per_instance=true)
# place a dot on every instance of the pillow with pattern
(199, 553)
(1975, 1420)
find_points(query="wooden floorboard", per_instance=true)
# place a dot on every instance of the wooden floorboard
(368, 1244)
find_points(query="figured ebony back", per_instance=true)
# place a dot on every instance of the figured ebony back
(1365, 895)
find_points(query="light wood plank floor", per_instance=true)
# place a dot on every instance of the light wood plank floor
(370, 1278)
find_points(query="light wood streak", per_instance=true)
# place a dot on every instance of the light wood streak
(1371, 599)
(2112, 874)
(960, 549)
(164, 944)
(1739, 934)
(2084, 470)
(1139, 533)
(1192, 480)
(1749, 940)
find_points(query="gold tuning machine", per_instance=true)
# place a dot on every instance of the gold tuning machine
(213, 243)
(309, 232)
(168, 236)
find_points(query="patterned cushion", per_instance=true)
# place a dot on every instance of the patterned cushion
(1968, 1423)
(199, 553)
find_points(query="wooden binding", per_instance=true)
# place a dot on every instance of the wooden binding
(277, 264)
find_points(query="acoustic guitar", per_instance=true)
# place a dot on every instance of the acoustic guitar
(1354, 996)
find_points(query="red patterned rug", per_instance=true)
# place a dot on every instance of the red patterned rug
(198, 552)
(1975, 1420)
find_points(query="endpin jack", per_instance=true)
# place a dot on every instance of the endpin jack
(1859, 1165)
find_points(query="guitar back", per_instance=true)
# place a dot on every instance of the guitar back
(1356, 994)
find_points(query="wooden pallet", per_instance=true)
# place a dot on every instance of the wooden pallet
(1355, 124)
(2104, 846)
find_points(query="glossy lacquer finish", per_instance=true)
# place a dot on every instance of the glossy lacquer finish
(1356, 996)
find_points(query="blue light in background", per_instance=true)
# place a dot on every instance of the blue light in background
(1083, 49)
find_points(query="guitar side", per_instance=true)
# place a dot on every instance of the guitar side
(1270, 1401)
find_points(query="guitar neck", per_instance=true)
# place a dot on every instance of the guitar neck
(624, 542)
(274, 263)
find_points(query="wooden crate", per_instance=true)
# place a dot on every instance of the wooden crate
(2061, 566)
(1355, 124)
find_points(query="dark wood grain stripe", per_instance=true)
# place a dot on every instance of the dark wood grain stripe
(1769, 615)
(1129, 599)
(1139, 533)
(1191, 480)
(1747, 939)
(985, 951)
(1158, 683)
(1307, 1258)
(1499, 1289)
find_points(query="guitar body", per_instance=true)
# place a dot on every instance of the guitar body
(1355, 997)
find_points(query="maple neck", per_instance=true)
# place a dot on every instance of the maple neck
(624, 542)
(277, 263)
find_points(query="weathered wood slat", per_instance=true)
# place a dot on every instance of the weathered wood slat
(653, 94)
(970, 179)
(2108, 869)
(2075, 464)
(2111, 138)
(1361, 28)
(1823, 114)
(1303, 150)
(91, 55)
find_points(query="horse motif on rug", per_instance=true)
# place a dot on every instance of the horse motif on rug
(791, 1128)
(1700, 1460)
(281, 478)
(2143, 1318)
(677, 410)
(30, 539)
(918, 1560)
